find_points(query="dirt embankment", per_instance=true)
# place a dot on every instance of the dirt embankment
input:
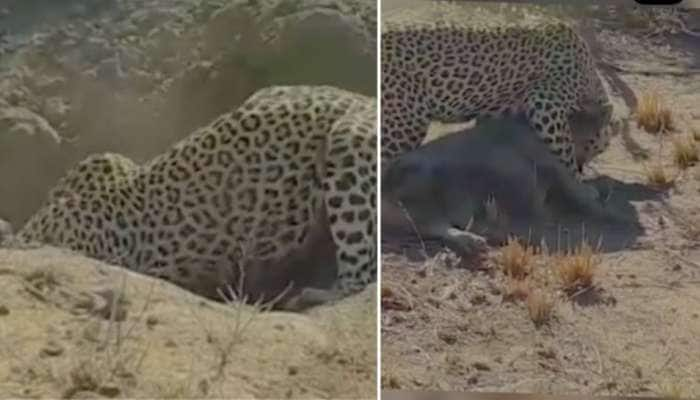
(73, 327)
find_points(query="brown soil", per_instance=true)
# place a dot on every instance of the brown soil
(635, 330)
(73, 327)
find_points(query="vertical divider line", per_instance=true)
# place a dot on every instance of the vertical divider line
(379, 201)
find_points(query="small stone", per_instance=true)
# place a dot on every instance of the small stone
(481, 366)
(110, 391)
(4, 311)
(151, 321)
(447, 337)
(478, 300)
(203, 386)
(292, 370)
(52, 349)
(548, 354)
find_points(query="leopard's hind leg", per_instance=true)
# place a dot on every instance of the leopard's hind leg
(349, 189)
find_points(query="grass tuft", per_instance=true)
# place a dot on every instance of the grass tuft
(517, 290)
(653, 115)
(695, 133)
(577, 268)
(516, 259)
(671, 390)
(685, 152)
(540, 307)
(657, 176)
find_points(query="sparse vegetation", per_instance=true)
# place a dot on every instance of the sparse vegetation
(495, 215)
(517, 289)
(695, 133)
(516, 259)
(653, 115)
(577, 268)
(539, 307)
(89, 339)
(114, 355)
(245, 314)
(671, 390)
(657, 176)
(685, 152)
(491, 208)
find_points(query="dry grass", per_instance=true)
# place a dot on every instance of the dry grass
(246, 312)
(685, 152)
(653, 115)
(516, 259)
(671, 390)
(657, 176)
(577, 268)
(695, 133)
(111, 356)
(495, 215)
(517, 290)
(540, 307)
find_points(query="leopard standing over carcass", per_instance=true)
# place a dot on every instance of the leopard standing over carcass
(449, 70)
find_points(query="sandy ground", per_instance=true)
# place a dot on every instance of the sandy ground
(77, 328)
(636, 330)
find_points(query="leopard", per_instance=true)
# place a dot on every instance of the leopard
(452, 70)
(249, 185)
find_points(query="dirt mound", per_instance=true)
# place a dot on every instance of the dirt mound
(74, 327)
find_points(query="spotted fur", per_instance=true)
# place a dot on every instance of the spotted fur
(249, 184)
(451, 71)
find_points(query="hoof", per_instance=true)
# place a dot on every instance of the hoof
(467, 244)
(311, 297)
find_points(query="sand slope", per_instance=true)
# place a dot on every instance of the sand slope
(73, 327)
